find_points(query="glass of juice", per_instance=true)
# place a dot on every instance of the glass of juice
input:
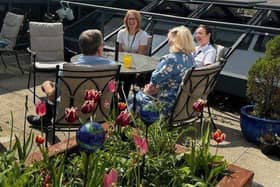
(127, 60)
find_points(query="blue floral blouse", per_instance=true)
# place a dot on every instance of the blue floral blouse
(168, 76)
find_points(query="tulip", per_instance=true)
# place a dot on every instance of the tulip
(123, 118)
(218, 136)
(110, 179)
(41, 108)
(141, 144)
(199, 105)
(39, 140)
(112, 86)
(121, 106)
(88, 106)
(71, 114)
(92, 95)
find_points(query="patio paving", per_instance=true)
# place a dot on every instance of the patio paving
(236, 150)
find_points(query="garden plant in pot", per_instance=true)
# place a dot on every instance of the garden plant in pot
(263, 89)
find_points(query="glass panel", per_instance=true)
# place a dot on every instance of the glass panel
(261, 42)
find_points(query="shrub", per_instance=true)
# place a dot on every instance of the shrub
(263, 85)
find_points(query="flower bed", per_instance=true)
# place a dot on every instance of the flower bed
(124, 152)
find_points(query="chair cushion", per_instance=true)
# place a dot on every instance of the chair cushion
(10, 28)
(47, 41)
(48, 65)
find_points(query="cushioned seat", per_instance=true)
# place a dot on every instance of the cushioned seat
(8, 36)
(47, 48)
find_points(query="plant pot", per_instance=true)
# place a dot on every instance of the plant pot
(253, 127)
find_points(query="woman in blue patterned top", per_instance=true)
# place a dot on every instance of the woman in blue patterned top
(166, 78)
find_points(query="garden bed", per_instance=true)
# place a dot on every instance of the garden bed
(239, 177)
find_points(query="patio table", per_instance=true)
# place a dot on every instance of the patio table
(140, 63)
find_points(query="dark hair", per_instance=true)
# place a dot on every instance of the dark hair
(89, 41)
(208, 31)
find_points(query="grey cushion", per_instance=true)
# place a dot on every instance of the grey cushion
(48, 65)
(10, 28)
(47, 41)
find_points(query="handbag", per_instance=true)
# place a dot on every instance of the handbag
(65, 12)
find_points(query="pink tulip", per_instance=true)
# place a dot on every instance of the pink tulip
(88, 106)
(199, 105)
(71, 114)
(92, 95)
(141, 144)
(41, 108)
(123, 118)
(110, 179)
(112, 85)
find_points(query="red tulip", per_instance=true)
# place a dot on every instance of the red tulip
(71, 114)
(92, 95)
(39, 140)
(122, 106)
(88, 106)
(112, 85)
(110, 179)
(218, 136)
(123, 118)
(199, 105)
(41, 108)
(141, 144)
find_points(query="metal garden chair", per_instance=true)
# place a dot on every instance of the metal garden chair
(197, 83)
(47, 49)
(8, 36)
(71, 82)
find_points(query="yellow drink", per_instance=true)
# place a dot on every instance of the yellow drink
(127, 61)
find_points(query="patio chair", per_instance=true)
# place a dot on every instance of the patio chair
(8, 36)
(197, 83)
(71, 82)
(47, 49)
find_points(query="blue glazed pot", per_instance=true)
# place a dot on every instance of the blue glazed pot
(253, 127)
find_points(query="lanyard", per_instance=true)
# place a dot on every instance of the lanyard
(133, 39)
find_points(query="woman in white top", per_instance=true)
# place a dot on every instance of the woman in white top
(205, 53)
(132, 39)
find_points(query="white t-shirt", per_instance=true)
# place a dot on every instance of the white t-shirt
(131, 43)
(205, 55)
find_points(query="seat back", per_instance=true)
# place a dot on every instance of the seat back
(10, 28)
(149, 45)
(197, 83)
(72, 81)
(220, 52)
(46, 40)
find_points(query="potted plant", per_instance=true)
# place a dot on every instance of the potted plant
(263, 89)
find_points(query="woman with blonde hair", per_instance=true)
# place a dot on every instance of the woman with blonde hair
(132, 39)
(166, 78)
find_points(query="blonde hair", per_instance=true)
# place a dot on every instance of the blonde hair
(182, 40)
(136, 14)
